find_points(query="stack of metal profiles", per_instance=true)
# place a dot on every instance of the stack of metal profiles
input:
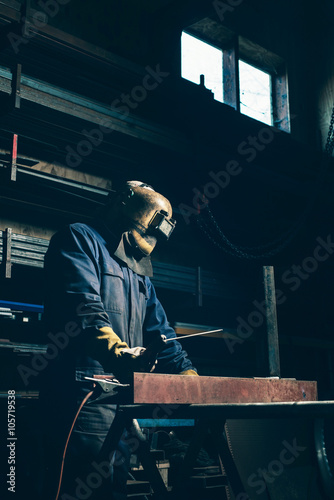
(30, 251)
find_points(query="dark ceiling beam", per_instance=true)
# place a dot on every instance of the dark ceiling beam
(179, 14)
(49, 35)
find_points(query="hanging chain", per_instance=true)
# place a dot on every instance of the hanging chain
(205, 228)
(330, 137)
(211, 228)
(258, 248)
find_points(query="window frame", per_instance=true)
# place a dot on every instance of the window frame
(234, 48)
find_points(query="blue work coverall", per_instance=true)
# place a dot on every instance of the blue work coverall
(88, 288)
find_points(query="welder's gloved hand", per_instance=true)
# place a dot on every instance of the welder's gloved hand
(189, 372)
(146, 363)
(114, 355)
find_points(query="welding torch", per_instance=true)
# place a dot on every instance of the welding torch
(150, 353)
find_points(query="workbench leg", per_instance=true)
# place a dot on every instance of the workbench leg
(181, 490)
(200, 432)
(153, 474)
(143, 449)
(233, 477)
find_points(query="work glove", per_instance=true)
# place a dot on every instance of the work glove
(118, 358)
(115, 356)
(189, 372)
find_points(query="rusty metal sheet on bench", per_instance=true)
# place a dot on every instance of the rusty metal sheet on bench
(150, 388)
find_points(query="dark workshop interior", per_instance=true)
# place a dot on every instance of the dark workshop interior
(227, 109)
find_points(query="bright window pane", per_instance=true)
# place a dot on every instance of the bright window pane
(255, 93)
(200, 58)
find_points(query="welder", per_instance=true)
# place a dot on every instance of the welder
(99, 294)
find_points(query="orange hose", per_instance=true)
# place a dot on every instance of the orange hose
(67, 441)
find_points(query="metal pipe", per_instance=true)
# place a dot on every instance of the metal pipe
(195, 334)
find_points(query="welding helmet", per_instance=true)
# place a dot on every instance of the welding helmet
(148, 216)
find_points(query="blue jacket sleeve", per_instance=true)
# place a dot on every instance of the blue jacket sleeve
(172, 359)
(72, 277)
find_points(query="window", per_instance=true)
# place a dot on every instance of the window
(255, 93)
(254, 88)
(200, 58)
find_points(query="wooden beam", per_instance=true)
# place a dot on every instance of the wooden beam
(231, 75)
(13, 159)
(7, 252)
(16, 87)
(280, 100)
(271, 321)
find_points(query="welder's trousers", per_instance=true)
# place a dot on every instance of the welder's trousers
(86, 473)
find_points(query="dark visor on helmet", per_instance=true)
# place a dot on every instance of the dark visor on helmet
(160, 226)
